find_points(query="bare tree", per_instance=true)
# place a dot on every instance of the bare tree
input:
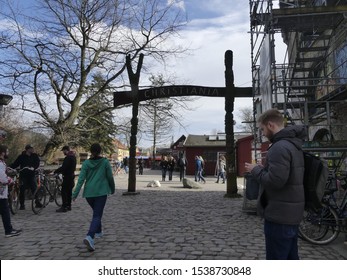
(246, 116)
(160, 115)
(52, 54)
(18, 134)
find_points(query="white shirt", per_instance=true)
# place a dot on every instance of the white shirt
(3, 181)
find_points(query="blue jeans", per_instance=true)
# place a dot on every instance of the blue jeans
(5, 215)
(97, 204)
(198, 176)
(163, 174)
(221, 174)
(281, 241)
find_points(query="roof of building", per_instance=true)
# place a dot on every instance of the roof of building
(218, 140)
(179, 142)
(118, 144)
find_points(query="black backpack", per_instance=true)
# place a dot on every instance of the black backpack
(315, 179)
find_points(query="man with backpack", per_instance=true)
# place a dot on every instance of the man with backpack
(281, 198)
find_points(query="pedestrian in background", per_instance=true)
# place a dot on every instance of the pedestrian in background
(182, 164)
(171, 166)
(199, 167)
(140, 164)
(67, 169)
(164, 165)
(281, 197)
(221, 168)
(4, 207)
(96, 175)
(126, 164)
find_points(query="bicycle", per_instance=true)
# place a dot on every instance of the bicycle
(14, 189)
(324, 226)
(47, 185)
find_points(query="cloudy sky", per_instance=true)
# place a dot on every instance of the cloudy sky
(214, 27)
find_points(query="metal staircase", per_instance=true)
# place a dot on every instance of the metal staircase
(310, 85)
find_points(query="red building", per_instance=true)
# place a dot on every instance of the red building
(211, 146)
(243, 153)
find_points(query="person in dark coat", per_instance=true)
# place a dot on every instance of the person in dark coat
(68, 171)
(140, 164)
(164, 165)
(171, 163)
(281, 198)
(28, 161)
(182, 164)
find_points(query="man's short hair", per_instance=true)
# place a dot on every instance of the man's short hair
(271, 115)
(66, 148)
(27, 147)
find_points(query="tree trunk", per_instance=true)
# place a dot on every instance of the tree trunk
(134, 82)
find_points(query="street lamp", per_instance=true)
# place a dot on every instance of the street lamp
(5, 99)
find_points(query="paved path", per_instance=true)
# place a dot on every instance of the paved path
(160, 223)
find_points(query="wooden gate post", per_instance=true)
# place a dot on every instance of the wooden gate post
(229, 126)
(134, 79)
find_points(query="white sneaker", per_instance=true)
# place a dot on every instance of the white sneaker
(89, 243)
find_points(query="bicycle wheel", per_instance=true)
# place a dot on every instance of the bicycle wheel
(320, 227)
(38, 201)
(57, 195)
(13, 199)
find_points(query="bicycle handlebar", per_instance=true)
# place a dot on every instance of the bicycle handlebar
(17, 171)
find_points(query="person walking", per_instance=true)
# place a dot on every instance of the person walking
(5, 181)
(164, 165)
(28, 161)
(199, 167)
(68, 171)
(140, 164)
(182, 164)
(171, 166)
(221, 169)
(96, 174)
(126, 164)
(281, 197)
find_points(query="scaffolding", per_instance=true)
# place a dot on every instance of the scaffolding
(310, 84)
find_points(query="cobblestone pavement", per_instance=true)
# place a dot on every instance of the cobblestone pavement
(169, 222)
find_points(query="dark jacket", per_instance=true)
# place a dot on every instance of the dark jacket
(69, 166)
(281, 198)
(182, 162)
(23, 160)
(171, 164)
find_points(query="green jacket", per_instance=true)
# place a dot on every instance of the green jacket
(98, 178)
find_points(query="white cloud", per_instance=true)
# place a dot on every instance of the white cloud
(209, 38)
(177, 3)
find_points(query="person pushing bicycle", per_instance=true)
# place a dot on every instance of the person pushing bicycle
(28, 158)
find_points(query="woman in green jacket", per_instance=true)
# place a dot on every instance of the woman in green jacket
(96, 173)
